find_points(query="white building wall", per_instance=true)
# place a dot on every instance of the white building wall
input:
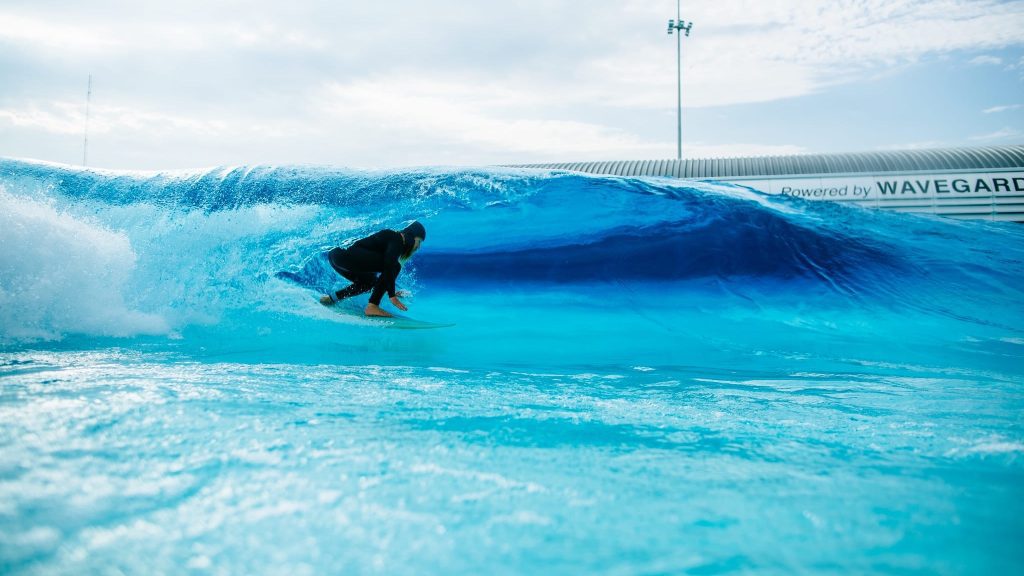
(992, 194)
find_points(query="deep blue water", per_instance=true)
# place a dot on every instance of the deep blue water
(644, 376)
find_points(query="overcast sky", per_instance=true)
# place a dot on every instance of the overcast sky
(196, 83)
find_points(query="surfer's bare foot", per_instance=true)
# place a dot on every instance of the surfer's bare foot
(326, 301)
(374, 310)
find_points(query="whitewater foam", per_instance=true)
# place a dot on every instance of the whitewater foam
(60, 273)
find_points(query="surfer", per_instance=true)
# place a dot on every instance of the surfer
(381, 253)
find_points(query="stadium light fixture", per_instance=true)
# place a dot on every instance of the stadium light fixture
(682, 28)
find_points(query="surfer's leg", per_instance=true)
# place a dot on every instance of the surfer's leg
(348, 267)
(353, 290)
(361, 284)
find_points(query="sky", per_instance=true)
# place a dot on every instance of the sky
(200, 83)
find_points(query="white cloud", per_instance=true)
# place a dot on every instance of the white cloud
(69, 118)
(740, 51)
(922, 145)
(1002, 134)
(43, 34)
(401, 82)
(58, 118)
(752, 51)
(997, 109)
(710, 150)
(69, 36)
(468, 116)
(985, 60)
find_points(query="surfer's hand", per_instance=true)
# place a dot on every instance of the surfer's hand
(326, 300)
(398, 304)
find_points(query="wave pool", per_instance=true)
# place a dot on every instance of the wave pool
(644, 376)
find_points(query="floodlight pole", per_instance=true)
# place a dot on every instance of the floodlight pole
(682, 28)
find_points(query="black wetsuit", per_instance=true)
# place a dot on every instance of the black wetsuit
(361, 262)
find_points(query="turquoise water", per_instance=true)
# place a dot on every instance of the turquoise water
(644, 376)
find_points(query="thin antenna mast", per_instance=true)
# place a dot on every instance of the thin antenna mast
(85, 144)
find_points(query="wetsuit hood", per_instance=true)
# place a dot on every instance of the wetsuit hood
(415, 230)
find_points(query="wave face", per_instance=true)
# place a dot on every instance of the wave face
(520, 259)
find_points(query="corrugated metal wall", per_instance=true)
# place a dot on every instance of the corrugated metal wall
(944, 159)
